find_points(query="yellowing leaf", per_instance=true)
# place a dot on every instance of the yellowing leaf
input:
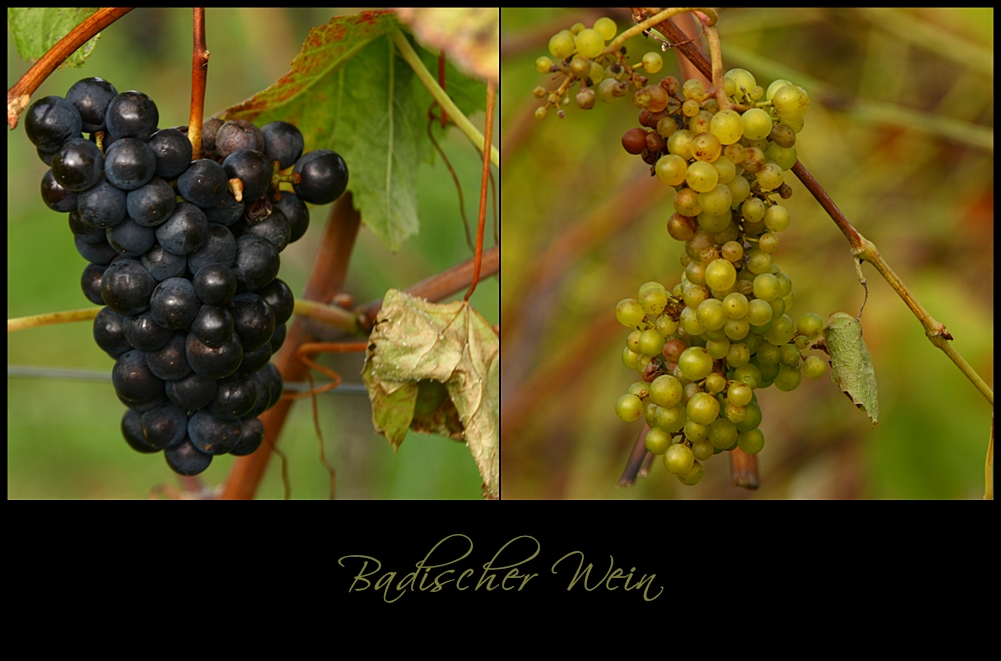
(435, 369)
(851, 367)
(470, 35)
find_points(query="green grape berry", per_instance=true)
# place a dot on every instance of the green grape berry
(695, 363)
(629, 312)
(589, 43)
(692, 476)
(629, 407)
(652, 62)
(679, 459)
(666, 391)
(752, 441)
(703, 408)
(606, 28)
(543, 65)
(814, 367)
(810, 324)
(657, 440)
(561, 44)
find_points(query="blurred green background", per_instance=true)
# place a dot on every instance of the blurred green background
(63, 437)
(900, 133)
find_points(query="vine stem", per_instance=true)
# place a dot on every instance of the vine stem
(414, 60)
(488, 132)
(862, 249)
(655, 20)
(19, 95)
(199, 76)
(331, 314)
(51, 318)
(716, 53)
(865, 250)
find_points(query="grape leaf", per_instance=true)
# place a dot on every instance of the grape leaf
(851, 367)
(350, 91)
(36, 30)
(471, 35)
(435, 369)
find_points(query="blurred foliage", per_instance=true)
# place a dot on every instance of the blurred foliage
(900, 133)
(63, 436)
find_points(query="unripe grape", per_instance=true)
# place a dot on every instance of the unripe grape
(720, 274)
(735, 305)
(814, 367)
(654, 300)
(732, 251)
(722, 433)
(739, 187)
(629, 312)
(711, 314)
(783, 329)
(728, 126)
(759, 312)
(666, 326)
(768, 242)
(758, 261)
(561, 44)
(791, 356)
(652, 62)
(665, 391)
(703, 409)
(701, 176)
(810, 324)
(693, 295)
(700, 123)
(629, 407)
(651, 343)
(790, 102)
(752, 418)
(630, 358)
(777, 218)
(716, 202)
(679, 459)
(706, 147)
(666, 126)
(680, 143)
(766, 288)
(695, 272)
(781, 156)
(774, 87)
(606, 28)
(751, 442)
(788, 379)
(657, 440)
(692, 89)
(576, 28)
(770, 176)
(540, 113)
(695, 363)
(736, 329)
(670, 169)
(785, 284)
(589, 43)
(753, 209)
(715, 383)
(783, 136)
(689, 322)
(695, 431)
(738, 354)
(543, 64)
(580, 66)
(633, 341)
(757, 124)
(724, 168)
(744, 81)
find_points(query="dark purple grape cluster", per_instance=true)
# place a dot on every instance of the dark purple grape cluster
(185, 256)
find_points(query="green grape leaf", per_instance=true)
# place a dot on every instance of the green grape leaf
(36, 30)
(851, 367)
(349, 90)
(435, 369)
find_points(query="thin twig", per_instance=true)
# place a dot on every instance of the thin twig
(414, 60)
(199, 76)
(19, 95)
(51, 318)
(488, 132)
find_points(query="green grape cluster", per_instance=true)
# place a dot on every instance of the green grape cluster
(706, 345)
(579, 56)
